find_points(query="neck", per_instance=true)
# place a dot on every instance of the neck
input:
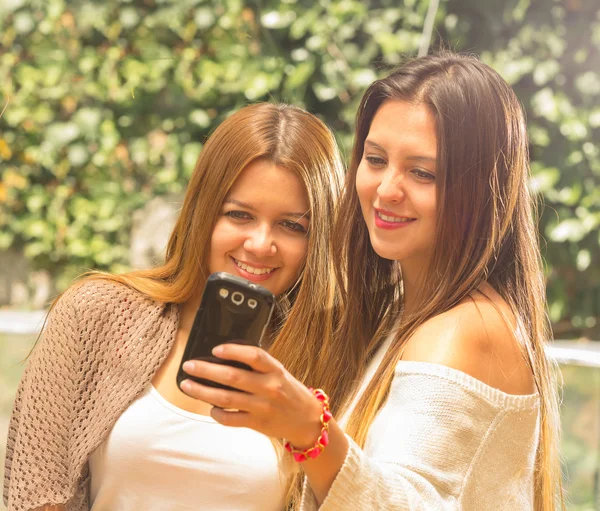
(413, 278)
(187, 313)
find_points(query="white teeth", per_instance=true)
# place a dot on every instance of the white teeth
(395, 219)
(254, 271)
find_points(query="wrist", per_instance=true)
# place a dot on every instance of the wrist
(301, 453)
(312, 430)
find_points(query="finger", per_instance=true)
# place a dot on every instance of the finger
(227, 399)
(257, 358)
(233, 419)
(241, 379)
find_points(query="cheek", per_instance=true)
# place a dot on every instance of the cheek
(296, 254)
(223, 237)
(364, 186)
(428, 209)
(432, 205)
(216, 238)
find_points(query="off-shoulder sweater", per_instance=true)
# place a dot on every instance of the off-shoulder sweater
(443, 441)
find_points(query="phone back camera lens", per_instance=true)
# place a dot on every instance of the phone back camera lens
(252, 303)
(237, 298)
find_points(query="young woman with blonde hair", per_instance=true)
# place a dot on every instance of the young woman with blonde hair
(443, 318)
(98, 422)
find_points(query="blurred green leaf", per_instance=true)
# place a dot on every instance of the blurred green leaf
(110, 104)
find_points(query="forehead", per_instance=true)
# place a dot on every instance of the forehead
(264, 182)
(401, 124)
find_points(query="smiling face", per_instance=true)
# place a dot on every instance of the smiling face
(261, 233)
(396, 185)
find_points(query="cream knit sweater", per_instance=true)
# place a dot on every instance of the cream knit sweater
(443, 441)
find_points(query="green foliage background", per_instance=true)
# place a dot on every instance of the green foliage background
(109, 103)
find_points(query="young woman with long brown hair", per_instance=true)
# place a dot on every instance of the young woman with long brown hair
(98, 421)
(443, 317)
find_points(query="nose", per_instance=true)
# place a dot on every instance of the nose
(260, 241)
(391, 187)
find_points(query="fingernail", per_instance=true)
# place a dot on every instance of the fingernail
(218, 350)
(186, 385)
(189, 366)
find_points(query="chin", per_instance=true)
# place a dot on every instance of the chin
(384, 250)
(391, 256)
(272, 286)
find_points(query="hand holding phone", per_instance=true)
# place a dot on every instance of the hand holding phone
(232, 310)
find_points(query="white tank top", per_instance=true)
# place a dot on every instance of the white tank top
(159, 457)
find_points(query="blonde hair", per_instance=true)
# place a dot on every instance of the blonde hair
(485, 233)
(295, 140)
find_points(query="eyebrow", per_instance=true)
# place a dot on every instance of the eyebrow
(424, 159)
(252, 208)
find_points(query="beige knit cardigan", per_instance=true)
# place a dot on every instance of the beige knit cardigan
(102, 345)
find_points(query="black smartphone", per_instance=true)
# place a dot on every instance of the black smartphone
(232, 309)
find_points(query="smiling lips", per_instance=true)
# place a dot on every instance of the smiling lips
(386, 220)
(253, 273)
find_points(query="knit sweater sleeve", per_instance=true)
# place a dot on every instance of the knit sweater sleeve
(101, 346)
(43, 407)
(442, 441)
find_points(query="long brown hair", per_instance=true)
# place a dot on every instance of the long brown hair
(295, 140)
(485, 233)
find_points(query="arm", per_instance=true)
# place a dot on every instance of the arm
(419, 450)
(274, 403)
(364, 483)
(442, 441)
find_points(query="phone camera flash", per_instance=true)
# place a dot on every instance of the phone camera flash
(237, 298)
(252, 303)
(223, 293)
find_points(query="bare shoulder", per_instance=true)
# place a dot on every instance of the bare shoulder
(478, 338)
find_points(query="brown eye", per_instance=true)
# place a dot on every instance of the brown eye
(293, 226)
(375, 160)
(239, 215)
(423, 174)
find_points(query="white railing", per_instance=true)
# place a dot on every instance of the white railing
(585, 354)
(565, 352)
(13, 322)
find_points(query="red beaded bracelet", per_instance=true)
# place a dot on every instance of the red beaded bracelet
(322, 441)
